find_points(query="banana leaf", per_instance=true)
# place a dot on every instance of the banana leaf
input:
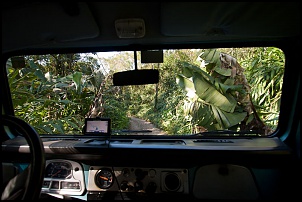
(187, 85)
(213, 62)
(76, 77)
(227, 120)
(203, 115)
(207, 92)
(37, 71)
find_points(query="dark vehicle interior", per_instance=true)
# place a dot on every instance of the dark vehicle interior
(182, 66)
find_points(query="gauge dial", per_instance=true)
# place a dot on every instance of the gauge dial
(60, 170)
(104, 178)
(126, 172)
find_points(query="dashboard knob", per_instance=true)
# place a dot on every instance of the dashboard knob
(138, 185)
(130, 188)
(140, 174)
(151, 187)
(124, 185)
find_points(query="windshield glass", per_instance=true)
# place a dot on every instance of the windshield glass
(199, 90)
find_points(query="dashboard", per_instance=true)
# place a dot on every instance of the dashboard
(66, 177)
(189, 169)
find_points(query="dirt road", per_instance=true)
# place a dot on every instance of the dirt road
(140, 124)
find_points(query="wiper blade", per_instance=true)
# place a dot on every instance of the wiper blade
(132, 131)
(227, 133)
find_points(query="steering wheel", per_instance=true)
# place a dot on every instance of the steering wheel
(30, 188)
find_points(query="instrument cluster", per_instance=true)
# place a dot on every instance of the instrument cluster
(63, 177)
(135, 179)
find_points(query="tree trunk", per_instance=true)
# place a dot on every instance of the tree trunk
(255, 124)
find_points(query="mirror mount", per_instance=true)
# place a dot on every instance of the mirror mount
(135, 60)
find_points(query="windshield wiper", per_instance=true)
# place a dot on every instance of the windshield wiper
(227, 133)
(132, 131)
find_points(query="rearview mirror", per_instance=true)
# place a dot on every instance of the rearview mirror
(136, 77)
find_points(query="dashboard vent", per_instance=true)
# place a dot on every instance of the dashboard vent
(164, 142)
(215, 141)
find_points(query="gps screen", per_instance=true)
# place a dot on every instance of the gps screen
(97, 126)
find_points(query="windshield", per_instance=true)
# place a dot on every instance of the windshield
(199, 90)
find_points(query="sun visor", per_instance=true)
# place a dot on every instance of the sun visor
(230, 19)
(75, 23)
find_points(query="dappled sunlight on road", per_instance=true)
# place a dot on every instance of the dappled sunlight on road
(140, 124)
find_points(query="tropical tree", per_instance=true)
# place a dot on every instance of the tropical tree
(52, 102)
(219, 94)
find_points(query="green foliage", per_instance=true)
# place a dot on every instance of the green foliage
(52, 104)
(169, 112)
(55, 92)
(265, 74)
(213, 94)
(115, 107)
(211, 104)
(264, 70)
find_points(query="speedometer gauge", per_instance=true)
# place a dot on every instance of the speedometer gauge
(104, 178)
(60, 170)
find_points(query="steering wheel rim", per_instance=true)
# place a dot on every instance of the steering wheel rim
(35, 178)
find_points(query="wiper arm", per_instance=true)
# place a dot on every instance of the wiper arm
(227, 133)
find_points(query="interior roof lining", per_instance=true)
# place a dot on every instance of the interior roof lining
(229, 18)
(91, 29)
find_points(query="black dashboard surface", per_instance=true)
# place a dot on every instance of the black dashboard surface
(74, 145)
(163, 151)
(92, 168)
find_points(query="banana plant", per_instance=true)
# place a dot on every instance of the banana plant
(218, 95)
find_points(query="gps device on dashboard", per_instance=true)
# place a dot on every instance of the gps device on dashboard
(97, 126)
